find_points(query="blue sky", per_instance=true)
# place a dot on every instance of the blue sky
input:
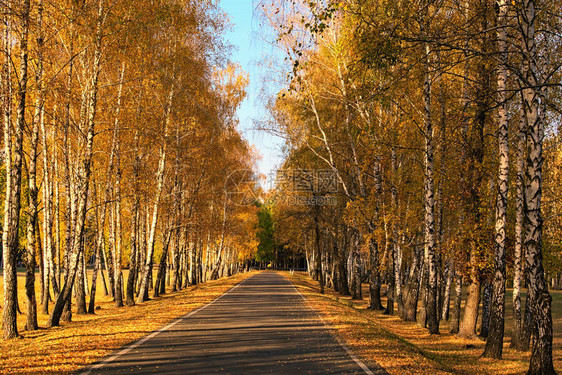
(250, 49)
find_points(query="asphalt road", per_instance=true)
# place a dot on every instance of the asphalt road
(262, 326)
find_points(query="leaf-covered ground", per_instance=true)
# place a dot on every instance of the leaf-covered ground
(88, 338)
(406, 348)
(400, 347)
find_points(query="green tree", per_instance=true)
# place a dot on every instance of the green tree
(266, 228)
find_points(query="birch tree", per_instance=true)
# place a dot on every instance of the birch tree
(494, 344)
(533, 106)
(13, 156)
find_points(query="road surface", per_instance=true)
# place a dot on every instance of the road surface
(261, 326)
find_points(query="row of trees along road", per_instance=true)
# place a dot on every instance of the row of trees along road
(119, 131)
(433, 117)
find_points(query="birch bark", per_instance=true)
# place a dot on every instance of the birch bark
(117, 293)
(38, 119)
(432, 311)
(159, 187)
(14, 160)
(533, 105)
(494, 344)
(517, 339)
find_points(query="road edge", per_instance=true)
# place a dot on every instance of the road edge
(331, 331)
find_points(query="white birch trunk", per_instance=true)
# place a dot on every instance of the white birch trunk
(533, 105)
(494, 344)
(517, 337)
(14, 160)
(159, 187)
(429, 222)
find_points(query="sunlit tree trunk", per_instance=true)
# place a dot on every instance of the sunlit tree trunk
(447, 292)
(117, 206)
(51, 244)
(396, 246)
(342, 269)
(541, 352)
(429, 225)
(144, 223)
(517, 336)
(135, 221)
(56, 214)
(14, 160)
(79, 285)
(130, 292)
(31, 227)
(486, 307)
(177, 265)
(203, 256)
(193, 263)
(96, 255)
(69, 211)
(215, 273)
(6, 85)
(186, 262)
(456, 313)
(424, 289)
(199, 260)
(374, 278)
(107, 250)
(412, 290)
(494, 344)
(49, 269)
(318, 248)
(33, 193)
(391, 264)
(374, 261)
(160, 275)
(159, 187)
(355, 263)
(470, 316)
(31, 244)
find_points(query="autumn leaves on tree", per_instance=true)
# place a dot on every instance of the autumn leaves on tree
(415, 107)
(119, 136)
